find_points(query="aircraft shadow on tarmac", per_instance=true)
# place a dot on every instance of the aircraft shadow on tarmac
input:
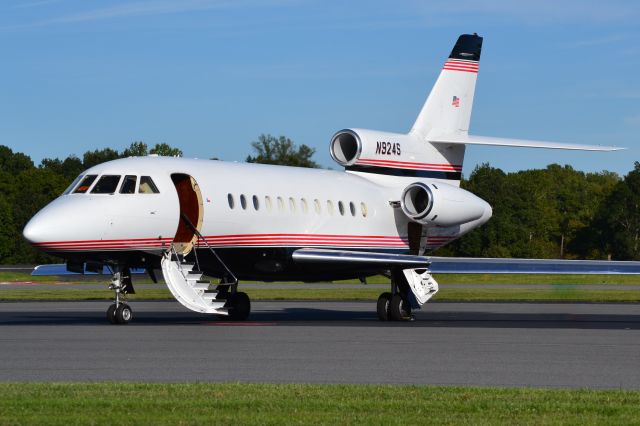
(329, 317)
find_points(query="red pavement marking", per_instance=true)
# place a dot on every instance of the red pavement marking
(27, 283)
(242, 324)
(18, 283)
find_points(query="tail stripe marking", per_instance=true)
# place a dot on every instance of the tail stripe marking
(461, 65)
(410, 165)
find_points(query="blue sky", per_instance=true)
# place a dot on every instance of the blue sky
(209, 76)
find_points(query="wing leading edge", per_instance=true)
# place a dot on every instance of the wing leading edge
(467, 265)
(522, 143)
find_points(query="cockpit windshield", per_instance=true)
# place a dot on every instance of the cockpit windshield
(73, 185)
(147, 186)
(129, 185)
(109, 184)
(85, 184)
(106, 185)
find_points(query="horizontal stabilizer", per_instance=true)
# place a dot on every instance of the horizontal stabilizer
(523, 143)
(462, 265)
(311, 255)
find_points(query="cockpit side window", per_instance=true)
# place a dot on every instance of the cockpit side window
(73, 185)
(107, 184)
(85, 184)
(129, 185)
(147, 186)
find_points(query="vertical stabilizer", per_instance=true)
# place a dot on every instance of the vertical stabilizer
(448, 106)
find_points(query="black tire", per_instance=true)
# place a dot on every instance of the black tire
(124, 314)
(239, 306)
(111, 314)
(383, 306)
(399, 308)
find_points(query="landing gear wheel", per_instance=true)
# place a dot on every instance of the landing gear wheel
(399, 309)
(383, 306)
(111, 314)
(123, 314)
(239, 306)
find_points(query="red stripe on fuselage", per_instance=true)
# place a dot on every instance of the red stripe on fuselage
(234, 240)
(410, 165)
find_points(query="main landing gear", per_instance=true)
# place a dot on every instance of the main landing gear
(239, 306)
(395, 305)
(120, 312)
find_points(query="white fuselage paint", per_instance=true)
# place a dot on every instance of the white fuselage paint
(287, 215)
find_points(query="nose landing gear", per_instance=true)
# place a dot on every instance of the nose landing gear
(120, 312)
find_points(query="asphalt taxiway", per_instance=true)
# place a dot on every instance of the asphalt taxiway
(484, 344)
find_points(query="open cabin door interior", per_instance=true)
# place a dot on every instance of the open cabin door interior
(191, 212)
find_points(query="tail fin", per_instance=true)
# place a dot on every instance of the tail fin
(448, 107)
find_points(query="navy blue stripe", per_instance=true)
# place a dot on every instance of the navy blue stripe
(390, 171)
(467, 47)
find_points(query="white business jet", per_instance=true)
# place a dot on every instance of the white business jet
(396, 201)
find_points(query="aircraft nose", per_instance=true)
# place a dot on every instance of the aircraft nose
(35, 229)
(52, 223)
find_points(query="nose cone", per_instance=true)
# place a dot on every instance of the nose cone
(488, 212)
(43, 226)
(33, 230)
(64, 219)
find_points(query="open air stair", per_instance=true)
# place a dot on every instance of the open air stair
(189, 288)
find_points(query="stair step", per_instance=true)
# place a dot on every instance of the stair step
(200, 286)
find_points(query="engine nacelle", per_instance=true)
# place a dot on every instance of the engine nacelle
(350, 145)
(440, 204)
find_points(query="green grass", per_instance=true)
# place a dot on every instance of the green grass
(510, 279)
(356, 293)
(581, 292)
(517, 279)
(175, 404)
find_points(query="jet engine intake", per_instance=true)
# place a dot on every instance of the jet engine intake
(439, 204)
(372, 148)
(346, 147)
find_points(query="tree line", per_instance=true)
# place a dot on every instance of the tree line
(556, 212)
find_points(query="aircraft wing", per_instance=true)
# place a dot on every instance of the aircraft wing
(468, 265)
(61, 269)
(523, 143)
(312, 255)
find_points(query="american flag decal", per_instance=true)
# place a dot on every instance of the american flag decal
(456, 102)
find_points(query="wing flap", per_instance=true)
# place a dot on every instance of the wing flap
(523, 143)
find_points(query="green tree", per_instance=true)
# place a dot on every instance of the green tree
(93, 158)
(165, 150)
(7, 230)
(536, 213)
(12, 162)
(282, 151)
(33, 190)
(136, 149)
(617, 224)
(70, 167)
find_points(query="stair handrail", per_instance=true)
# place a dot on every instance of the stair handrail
(201, 237)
